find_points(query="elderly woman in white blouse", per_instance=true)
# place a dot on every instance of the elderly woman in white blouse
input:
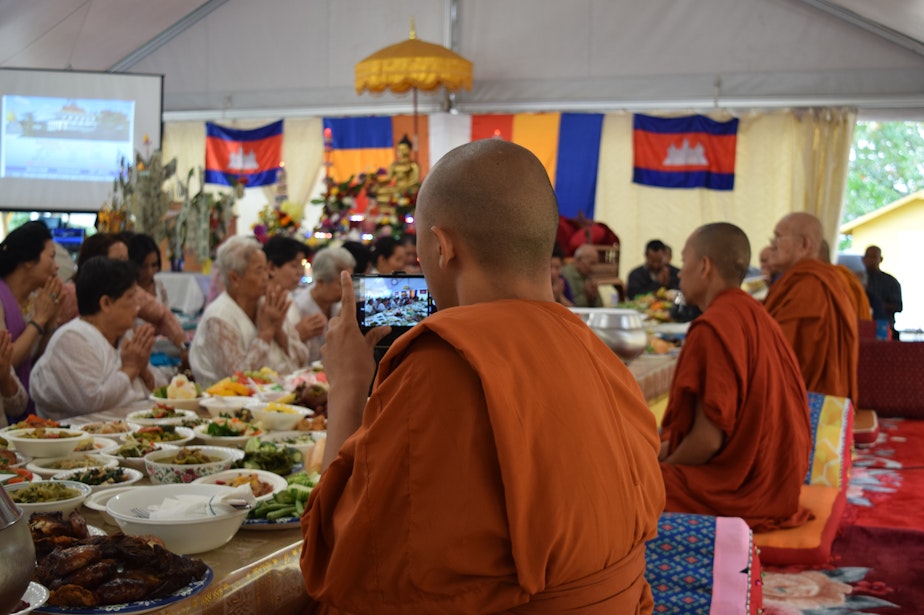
(97, 361)
(245, 327)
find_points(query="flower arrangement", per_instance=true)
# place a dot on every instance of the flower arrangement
(279, 219)
(339, 200)
(352, 211)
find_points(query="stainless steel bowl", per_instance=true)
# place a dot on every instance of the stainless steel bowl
(620, 329)
(15, 548)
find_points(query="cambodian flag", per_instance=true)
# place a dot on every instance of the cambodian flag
(684, 152)
(249, 156)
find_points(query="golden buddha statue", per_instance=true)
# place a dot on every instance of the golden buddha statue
(403, 176)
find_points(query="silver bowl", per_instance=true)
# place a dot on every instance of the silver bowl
(16, 548)
(620, 329)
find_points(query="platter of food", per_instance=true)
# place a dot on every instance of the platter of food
(136, 608)
(161, 414)
(130, 574)
(284, 509)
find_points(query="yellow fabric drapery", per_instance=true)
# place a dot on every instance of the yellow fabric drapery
(786, 161)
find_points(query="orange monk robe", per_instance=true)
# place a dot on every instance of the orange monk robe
(737, 363)
(855, 292)
(496, 471)
(811, 306)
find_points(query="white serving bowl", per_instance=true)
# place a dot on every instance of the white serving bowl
(97, 444)
(49, 466)
(143, 417)
(137, 463)
(226, 478)
(180, 404)
(252, 430)
(162, 471)
(218, 404)
(276, 416)
(107, 429)
(125, 477)
(64, 506)
(46, 447)
(183, 536)
(97, 500)
(303, 441)
(180, 435)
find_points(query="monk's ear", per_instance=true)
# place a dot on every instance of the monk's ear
(445, 246)
(706, 266)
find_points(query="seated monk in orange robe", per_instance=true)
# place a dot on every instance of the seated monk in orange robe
(810, 303)
(736, 436)
(852, 285)
(493, 469)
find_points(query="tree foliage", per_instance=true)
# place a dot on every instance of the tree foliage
(886, 164)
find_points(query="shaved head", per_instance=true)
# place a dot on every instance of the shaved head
(806, 226)
(726, 246)
(496, 198)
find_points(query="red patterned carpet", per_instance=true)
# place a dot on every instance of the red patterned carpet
(877, 564)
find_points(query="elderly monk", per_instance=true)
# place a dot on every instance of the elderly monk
(735, 435)
(463, 486)
(855, 290)
(813, 309)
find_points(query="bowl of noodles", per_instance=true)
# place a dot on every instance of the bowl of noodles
(61, 496)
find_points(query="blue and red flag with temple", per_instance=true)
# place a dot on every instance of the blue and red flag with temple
(252, 157)
(693, 151)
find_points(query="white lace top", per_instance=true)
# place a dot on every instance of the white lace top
(226, 341)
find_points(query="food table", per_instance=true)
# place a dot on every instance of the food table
(257, 572)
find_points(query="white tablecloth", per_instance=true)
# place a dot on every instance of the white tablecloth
(184, 290)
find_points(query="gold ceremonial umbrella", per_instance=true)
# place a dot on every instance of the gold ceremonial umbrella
(413, 65)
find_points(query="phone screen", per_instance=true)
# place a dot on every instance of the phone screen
(399, 301)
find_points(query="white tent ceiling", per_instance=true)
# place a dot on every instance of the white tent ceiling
(240, 58)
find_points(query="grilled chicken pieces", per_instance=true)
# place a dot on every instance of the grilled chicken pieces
(88, 571)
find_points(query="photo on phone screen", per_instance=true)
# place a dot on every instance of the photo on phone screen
(399, 301)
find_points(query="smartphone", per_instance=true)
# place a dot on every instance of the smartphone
(398, 300)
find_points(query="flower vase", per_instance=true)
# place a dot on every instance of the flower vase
(176, 264)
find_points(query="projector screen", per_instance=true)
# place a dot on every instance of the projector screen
(65, 134)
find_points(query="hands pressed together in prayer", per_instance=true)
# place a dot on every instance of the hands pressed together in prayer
(271, 314)
(136, 354)
(46, 305)
(349, 364)
(311, 326)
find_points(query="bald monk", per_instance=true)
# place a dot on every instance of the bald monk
(855, 290)
(492, 470)
(812, 307)
(736, 432)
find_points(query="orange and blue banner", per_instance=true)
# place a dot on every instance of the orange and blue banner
(684, 152)
(367, 144)
(567, 144)
(252, 157)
